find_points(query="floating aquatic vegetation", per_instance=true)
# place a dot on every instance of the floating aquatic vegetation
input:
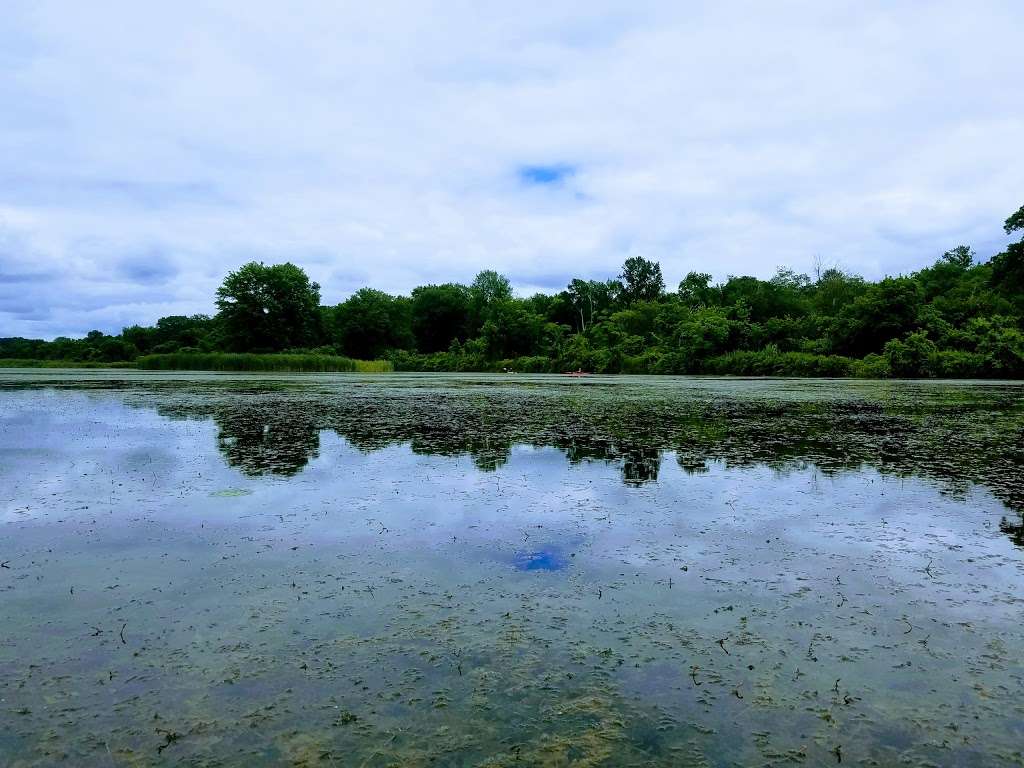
(230, 492)
(432, 570)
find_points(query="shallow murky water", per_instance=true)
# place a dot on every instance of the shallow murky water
(419, 570)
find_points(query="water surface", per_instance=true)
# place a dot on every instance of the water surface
(523, 570)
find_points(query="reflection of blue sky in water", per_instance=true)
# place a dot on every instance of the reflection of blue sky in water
(547, 559)
(415, 592)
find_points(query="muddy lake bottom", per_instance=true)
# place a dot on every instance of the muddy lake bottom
(446, 570)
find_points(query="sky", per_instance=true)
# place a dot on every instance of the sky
(150, 148)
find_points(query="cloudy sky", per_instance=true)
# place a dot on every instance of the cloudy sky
(149, 148)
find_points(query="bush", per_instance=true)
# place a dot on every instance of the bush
(956, 364)
(670, 363)
(438, 361)
(771, 362)
(532, 364)
(909, 358)
(871, 367)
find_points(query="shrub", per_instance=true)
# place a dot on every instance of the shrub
(771, 362)
(910, 357)
(871, 367)
(957, 364)
(529, 364)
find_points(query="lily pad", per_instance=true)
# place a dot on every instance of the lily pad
(229, 492)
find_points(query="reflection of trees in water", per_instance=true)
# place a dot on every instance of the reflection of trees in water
(640, 466)
(954, 438)
(257, 433)
(1015, 530)
(260, 440)
(639, 463)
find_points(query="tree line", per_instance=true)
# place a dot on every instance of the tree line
(955, 318)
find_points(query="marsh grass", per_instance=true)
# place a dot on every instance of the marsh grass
(225, 361)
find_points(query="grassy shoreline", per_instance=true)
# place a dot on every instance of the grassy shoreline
(18, 363)
(227, 361)
(766, 363)
(220, 361)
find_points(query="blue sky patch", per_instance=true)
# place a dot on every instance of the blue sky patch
(546, 174)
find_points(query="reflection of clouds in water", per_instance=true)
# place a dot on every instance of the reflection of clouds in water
(593, 548)
(953, 434)
(81, 449)
(277, 432)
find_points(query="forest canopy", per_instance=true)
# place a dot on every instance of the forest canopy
(955, 318)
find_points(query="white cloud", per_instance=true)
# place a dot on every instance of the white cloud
(149, 148)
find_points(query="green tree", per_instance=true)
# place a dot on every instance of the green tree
(440, 313)
(1008, 266)
(886, 310)
(962, 256)
(371, 323)
(592, 299)
(488, 289)
(176, 331)
(511, 329)
(910, 357)
(1015, 221)
(641, 280)
(704, 334)
(695, 290)
(140, 337)
(581, 297)
(784, 295)
(834, 290)
(1000, 340)
(270, 308)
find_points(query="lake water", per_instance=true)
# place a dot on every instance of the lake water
(441, 570)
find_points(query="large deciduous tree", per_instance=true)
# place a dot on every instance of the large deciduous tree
(440, 313)
(1008, 266)
(488, 290)
(370, 323)
(1015, 221)
(886, 310)
(268, 308)
(695, 290)
(641, 280)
